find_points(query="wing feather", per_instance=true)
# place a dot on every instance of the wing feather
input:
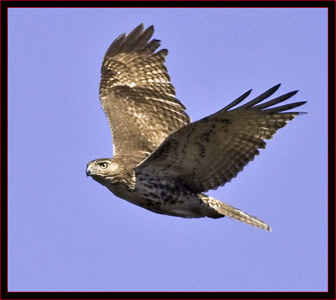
(137, 95)
(210, 152)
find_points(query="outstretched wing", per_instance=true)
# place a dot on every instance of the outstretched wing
(137, 96)
(210, 152)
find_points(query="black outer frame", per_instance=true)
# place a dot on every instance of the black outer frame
(163, 295)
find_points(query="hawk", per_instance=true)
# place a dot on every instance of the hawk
(162, 161)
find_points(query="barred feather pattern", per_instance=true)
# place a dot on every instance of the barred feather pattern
(137, 95)
(233, 213)
(210, 152)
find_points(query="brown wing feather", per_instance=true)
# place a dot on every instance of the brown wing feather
(210, 152)
(136, 94)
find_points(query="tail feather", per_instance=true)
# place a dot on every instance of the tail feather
(234, 213)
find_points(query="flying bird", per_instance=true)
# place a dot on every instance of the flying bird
(161, 160)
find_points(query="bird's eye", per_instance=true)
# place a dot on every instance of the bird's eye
(103, 165)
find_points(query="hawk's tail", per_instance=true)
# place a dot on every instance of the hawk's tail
(234, 213)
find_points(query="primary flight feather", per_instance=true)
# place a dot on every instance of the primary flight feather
(161, 161)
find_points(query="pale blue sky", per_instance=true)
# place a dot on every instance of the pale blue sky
(68, 233)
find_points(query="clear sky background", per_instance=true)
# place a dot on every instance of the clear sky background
(69, 233)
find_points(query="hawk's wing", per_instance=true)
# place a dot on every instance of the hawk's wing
(136, 94)
(210, 152)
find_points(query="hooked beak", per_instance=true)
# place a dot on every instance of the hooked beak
(89, 169)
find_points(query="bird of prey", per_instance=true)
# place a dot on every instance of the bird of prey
(161, 160)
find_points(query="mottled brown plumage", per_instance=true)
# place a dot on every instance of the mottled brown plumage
(161, 161)
(136, 94)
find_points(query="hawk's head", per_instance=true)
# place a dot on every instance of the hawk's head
(104, 170)
(111, 173)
